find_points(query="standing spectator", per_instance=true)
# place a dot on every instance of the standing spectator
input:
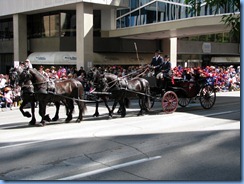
(41, 70)
(28, 63)
(81, 73)
(2, 99)
(61, 72)
(2, 81)
(16, 96)
(53, 74)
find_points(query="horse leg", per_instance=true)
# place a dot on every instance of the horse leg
(33, 119)
(114, 106)
(96, 114)
(122, 107)
(21, 108)
(141, 107)
(110, 112)
(69, 105)
(80, 107)
(56, 117)
(42, 111)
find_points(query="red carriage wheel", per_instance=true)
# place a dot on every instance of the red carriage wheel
(169, 102)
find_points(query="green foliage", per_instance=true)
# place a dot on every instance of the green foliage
(233, 21)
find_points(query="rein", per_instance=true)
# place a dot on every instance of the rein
(119, 78)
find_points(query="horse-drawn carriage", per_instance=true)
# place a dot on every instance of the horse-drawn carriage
(171, 92)
(174, 91)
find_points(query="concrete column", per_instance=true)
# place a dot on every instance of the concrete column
(20, 37)
(84, 34)
(108, 19)
(173, 52)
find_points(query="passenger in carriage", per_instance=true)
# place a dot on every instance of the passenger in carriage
(186, 74)
(189, 74)
(165, 72)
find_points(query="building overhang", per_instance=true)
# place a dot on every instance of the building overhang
(177, 28)
(11, 7)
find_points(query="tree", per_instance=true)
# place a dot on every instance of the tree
(231, 20)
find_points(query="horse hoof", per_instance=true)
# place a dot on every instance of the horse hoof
(139, 114)
(96, 115)
(78, 120)
(31, 123)
(55, 119)
(122, 115)
(47, 118)
(39, 125)
(67, 120)
(27, 114)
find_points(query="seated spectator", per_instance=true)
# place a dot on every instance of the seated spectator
(8, 95)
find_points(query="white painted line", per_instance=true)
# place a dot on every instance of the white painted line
(110, 168)
(22, 144)
(220, 113)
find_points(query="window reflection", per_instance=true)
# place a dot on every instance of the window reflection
(6, 29)
(68, 24)
(148, 12)
(54, 24)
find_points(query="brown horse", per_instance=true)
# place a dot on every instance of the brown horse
(46, 91)
(122, 89)
(28, 96)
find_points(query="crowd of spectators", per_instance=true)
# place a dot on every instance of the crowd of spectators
(225, 78)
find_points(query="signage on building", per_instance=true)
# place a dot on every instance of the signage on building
(206, 47)
(53, 58)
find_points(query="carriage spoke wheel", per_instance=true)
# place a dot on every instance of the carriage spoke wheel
(169, 102)
(183, 102)
(207, 97)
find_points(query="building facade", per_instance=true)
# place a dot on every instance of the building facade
(112, 32)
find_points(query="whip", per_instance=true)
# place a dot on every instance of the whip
(137, 56)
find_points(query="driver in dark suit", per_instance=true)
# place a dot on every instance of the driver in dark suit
(156, 62)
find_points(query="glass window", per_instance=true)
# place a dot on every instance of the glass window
(151, 13)
(6, 29)
(46, 26)
(54, 25)
(43, 25)
(68, 24)
(97, 23)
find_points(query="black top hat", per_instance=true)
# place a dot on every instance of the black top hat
(157, 51)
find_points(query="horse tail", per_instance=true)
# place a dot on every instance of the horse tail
(80, 91)
(81, 96)
(127, 102)
(148, 93)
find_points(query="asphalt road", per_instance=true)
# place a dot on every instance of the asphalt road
(192, 144)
